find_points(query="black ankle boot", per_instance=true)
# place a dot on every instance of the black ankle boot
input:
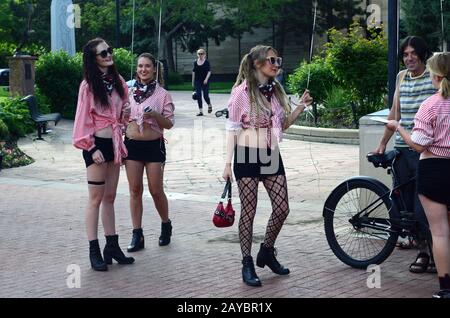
(444, 284)
(248, 272)
(166, 233)
(266, 256)
(137, 241)
(95, 256)
(112, 250)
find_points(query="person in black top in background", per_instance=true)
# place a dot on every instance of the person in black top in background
(200, 80)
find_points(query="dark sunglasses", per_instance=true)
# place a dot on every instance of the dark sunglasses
(201, 53)
(277, 61)
(104, 53)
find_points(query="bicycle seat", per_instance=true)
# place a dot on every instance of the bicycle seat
(383, 160)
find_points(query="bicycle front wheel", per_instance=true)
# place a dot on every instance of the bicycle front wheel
(357, 219)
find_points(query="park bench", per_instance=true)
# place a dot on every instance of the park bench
(41, 120)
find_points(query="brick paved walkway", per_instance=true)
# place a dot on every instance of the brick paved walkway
(42, 228)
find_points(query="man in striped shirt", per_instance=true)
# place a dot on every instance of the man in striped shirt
(414, 86)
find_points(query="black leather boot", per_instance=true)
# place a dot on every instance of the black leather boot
(137, 241)
(248, 272)
(96, 258)
(112, 250)
(166, 233)
(266, 256)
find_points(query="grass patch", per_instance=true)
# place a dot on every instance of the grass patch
(3, 92)
(214, 87)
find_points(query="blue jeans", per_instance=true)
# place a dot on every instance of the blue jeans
(199, 88)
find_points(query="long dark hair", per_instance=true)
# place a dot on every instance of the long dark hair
(93, 75)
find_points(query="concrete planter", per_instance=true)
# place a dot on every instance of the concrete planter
(327, 135)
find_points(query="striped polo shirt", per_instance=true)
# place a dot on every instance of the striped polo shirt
(413, 92)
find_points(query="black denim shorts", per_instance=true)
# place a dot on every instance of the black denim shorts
(146, 150)
(257, 163)
(105, 145)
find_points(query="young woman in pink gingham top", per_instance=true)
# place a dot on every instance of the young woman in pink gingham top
(101, 111)
(258, 114)
(431, 138)
(152, 111)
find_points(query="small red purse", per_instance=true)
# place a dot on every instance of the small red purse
(224, 216)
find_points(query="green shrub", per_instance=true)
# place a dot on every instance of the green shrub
(4, 131)
(321, 79)
(361, 66)
(337, 97)
(42, 101)
(58, 77)
(7, 50)
(124, 60)
(16, 116)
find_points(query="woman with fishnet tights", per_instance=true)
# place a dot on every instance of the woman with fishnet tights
(259, 113)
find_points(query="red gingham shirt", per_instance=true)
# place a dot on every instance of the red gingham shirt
(432, 126)
(240, 117)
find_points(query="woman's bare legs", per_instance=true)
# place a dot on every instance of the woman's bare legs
(155, 174)
(135, 170)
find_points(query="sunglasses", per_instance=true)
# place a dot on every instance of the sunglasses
(104, 53)
(277, 61)
(201, 53)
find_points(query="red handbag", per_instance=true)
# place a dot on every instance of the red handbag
(224, 216)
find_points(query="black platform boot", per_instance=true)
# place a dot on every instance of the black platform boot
(444, 284)
(112, 250)
(166, 233)
(266, 256)
(248, 272)
(137, 241)
(96, 258)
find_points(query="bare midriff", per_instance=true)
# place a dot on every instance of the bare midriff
(147, 134)
(253, 138)
(106, 132)
(427, 155)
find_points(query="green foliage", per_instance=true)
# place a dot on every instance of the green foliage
(58, 76)
(423, 18)
(336, 98)
(321, 79)
(16, 116)
(360, 64)
(13, 156)
(7, 50)
(124, 60)
(42, 101)
(4, 131)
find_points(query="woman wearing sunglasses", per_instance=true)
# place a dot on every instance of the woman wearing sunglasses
(102, 106)
(200, 80)
(259, 113)
(152, 111)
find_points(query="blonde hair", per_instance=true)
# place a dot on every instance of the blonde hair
(439, 64)
(201, 51)
(247, 72)
(155, 65)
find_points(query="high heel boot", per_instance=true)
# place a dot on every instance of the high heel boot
(137, 241)
(166, 233)
(112, 250)
(248, 272)
(266, 256)
(96, 258)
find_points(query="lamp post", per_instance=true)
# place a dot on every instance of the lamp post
(393, 31)
(117, 23)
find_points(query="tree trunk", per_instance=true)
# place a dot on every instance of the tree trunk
(169, 54)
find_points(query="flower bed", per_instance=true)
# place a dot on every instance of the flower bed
(12, 156)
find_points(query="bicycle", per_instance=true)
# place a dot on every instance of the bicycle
(363, 218)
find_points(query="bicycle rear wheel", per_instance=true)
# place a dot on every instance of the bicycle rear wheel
(360, 240)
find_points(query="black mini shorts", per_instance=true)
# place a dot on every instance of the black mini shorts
(257, 163)
(105, 145)
(146, 150)
(433, 179)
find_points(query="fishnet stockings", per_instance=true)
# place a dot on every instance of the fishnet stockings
(248, 193)
(276, 187)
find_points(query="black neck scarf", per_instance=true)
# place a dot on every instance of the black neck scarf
(143, 91)
(267, 90)
(108, 82)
